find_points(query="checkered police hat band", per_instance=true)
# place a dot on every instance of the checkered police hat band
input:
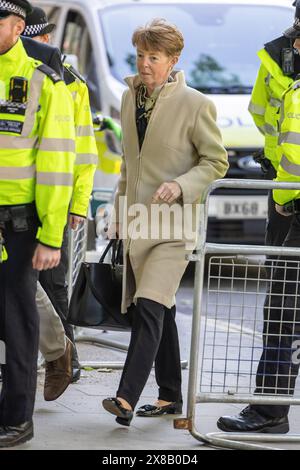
(15, 9)
(34, 29)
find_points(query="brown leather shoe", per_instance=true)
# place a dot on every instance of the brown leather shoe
(58, 374)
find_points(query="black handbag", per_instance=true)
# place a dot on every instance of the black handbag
(97, 294)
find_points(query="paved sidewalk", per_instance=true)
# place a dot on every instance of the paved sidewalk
(77, 420)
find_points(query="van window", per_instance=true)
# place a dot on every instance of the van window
(221, 40)
(76, 41)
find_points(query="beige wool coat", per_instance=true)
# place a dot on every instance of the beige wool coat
(183, 144)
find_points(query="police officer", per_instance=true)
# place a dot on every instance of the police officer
(37, 143)
(279, 67)
(278, 367)
(54, 281)
(42, 50)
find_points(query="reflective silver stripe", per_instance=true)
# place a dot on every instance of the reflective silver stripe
(57, 145)
(289, 138)
(256, 109)
(275, 103)
(270, 130)
(289, 167)
(86, 159)
(74, 94)
(15, 142)
(36, 84)
(17, 173)
(261, 129)
(60, 179)
(282, 116)
(267, 79)
(84, 131)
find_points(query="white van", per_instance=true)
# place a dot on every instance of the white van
(222, 38)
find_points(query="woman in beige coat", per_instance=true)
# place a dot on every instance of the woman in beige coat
(172, 150)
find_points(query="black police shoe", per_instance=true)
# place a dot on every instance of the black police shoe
(248, 420)
(11, 436)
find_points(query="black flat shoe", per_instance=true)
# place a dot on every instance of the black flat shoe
(173, 408)
(113, 406)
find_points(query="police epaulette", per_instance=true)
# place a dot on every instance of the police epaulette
(50, 73)
(75, 72)
(68, 76)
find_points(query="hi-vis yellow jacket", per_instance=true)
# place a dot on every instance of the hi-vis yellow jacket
(289, 144)
(86, 150)
(266, 101)
(37, 143)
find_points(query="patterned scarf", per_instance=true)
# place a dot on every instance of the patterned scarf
(144, 108)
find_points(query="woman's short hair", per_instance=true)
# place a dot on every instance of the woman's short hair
(159, 35)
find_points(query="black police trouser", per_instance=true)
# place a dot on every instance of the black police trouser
(54, 283)
(278, 367)
(19, 325)
(277, 225)
(154, 337)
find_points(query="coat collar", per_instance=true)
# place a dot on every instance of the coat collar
(11, 60)
(178, 82)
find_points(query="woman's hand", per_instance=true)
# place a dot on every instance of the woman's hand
(113, 231)
(167, 192)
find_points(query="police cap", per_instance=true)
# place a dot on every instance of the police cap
(294, 31)
(14, 7)
(37, 24)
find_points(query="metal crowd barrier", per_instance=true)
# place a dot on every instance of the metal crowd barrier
(77, 243)
(77, 254)
(227, 326)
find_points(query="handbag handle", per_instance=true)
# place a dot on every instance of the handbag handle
(116, 252)
(116, 246)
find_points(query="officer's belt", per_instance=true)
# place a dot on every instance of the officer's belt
(8, 213)
(17, 213)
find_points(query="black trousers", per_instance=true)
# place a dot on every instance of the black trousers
(278, 225)
(278, 367)
(154, 337)
(54, 284)
(19, 325)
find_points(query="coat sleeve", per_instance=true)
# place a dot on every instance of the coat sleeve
(288, 148)
(54, 162)
(213, 161)
(259, 99)
(86, 153)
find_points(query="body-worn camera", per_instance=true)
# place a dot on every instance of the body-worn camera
(18, 89)
(288, 59)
